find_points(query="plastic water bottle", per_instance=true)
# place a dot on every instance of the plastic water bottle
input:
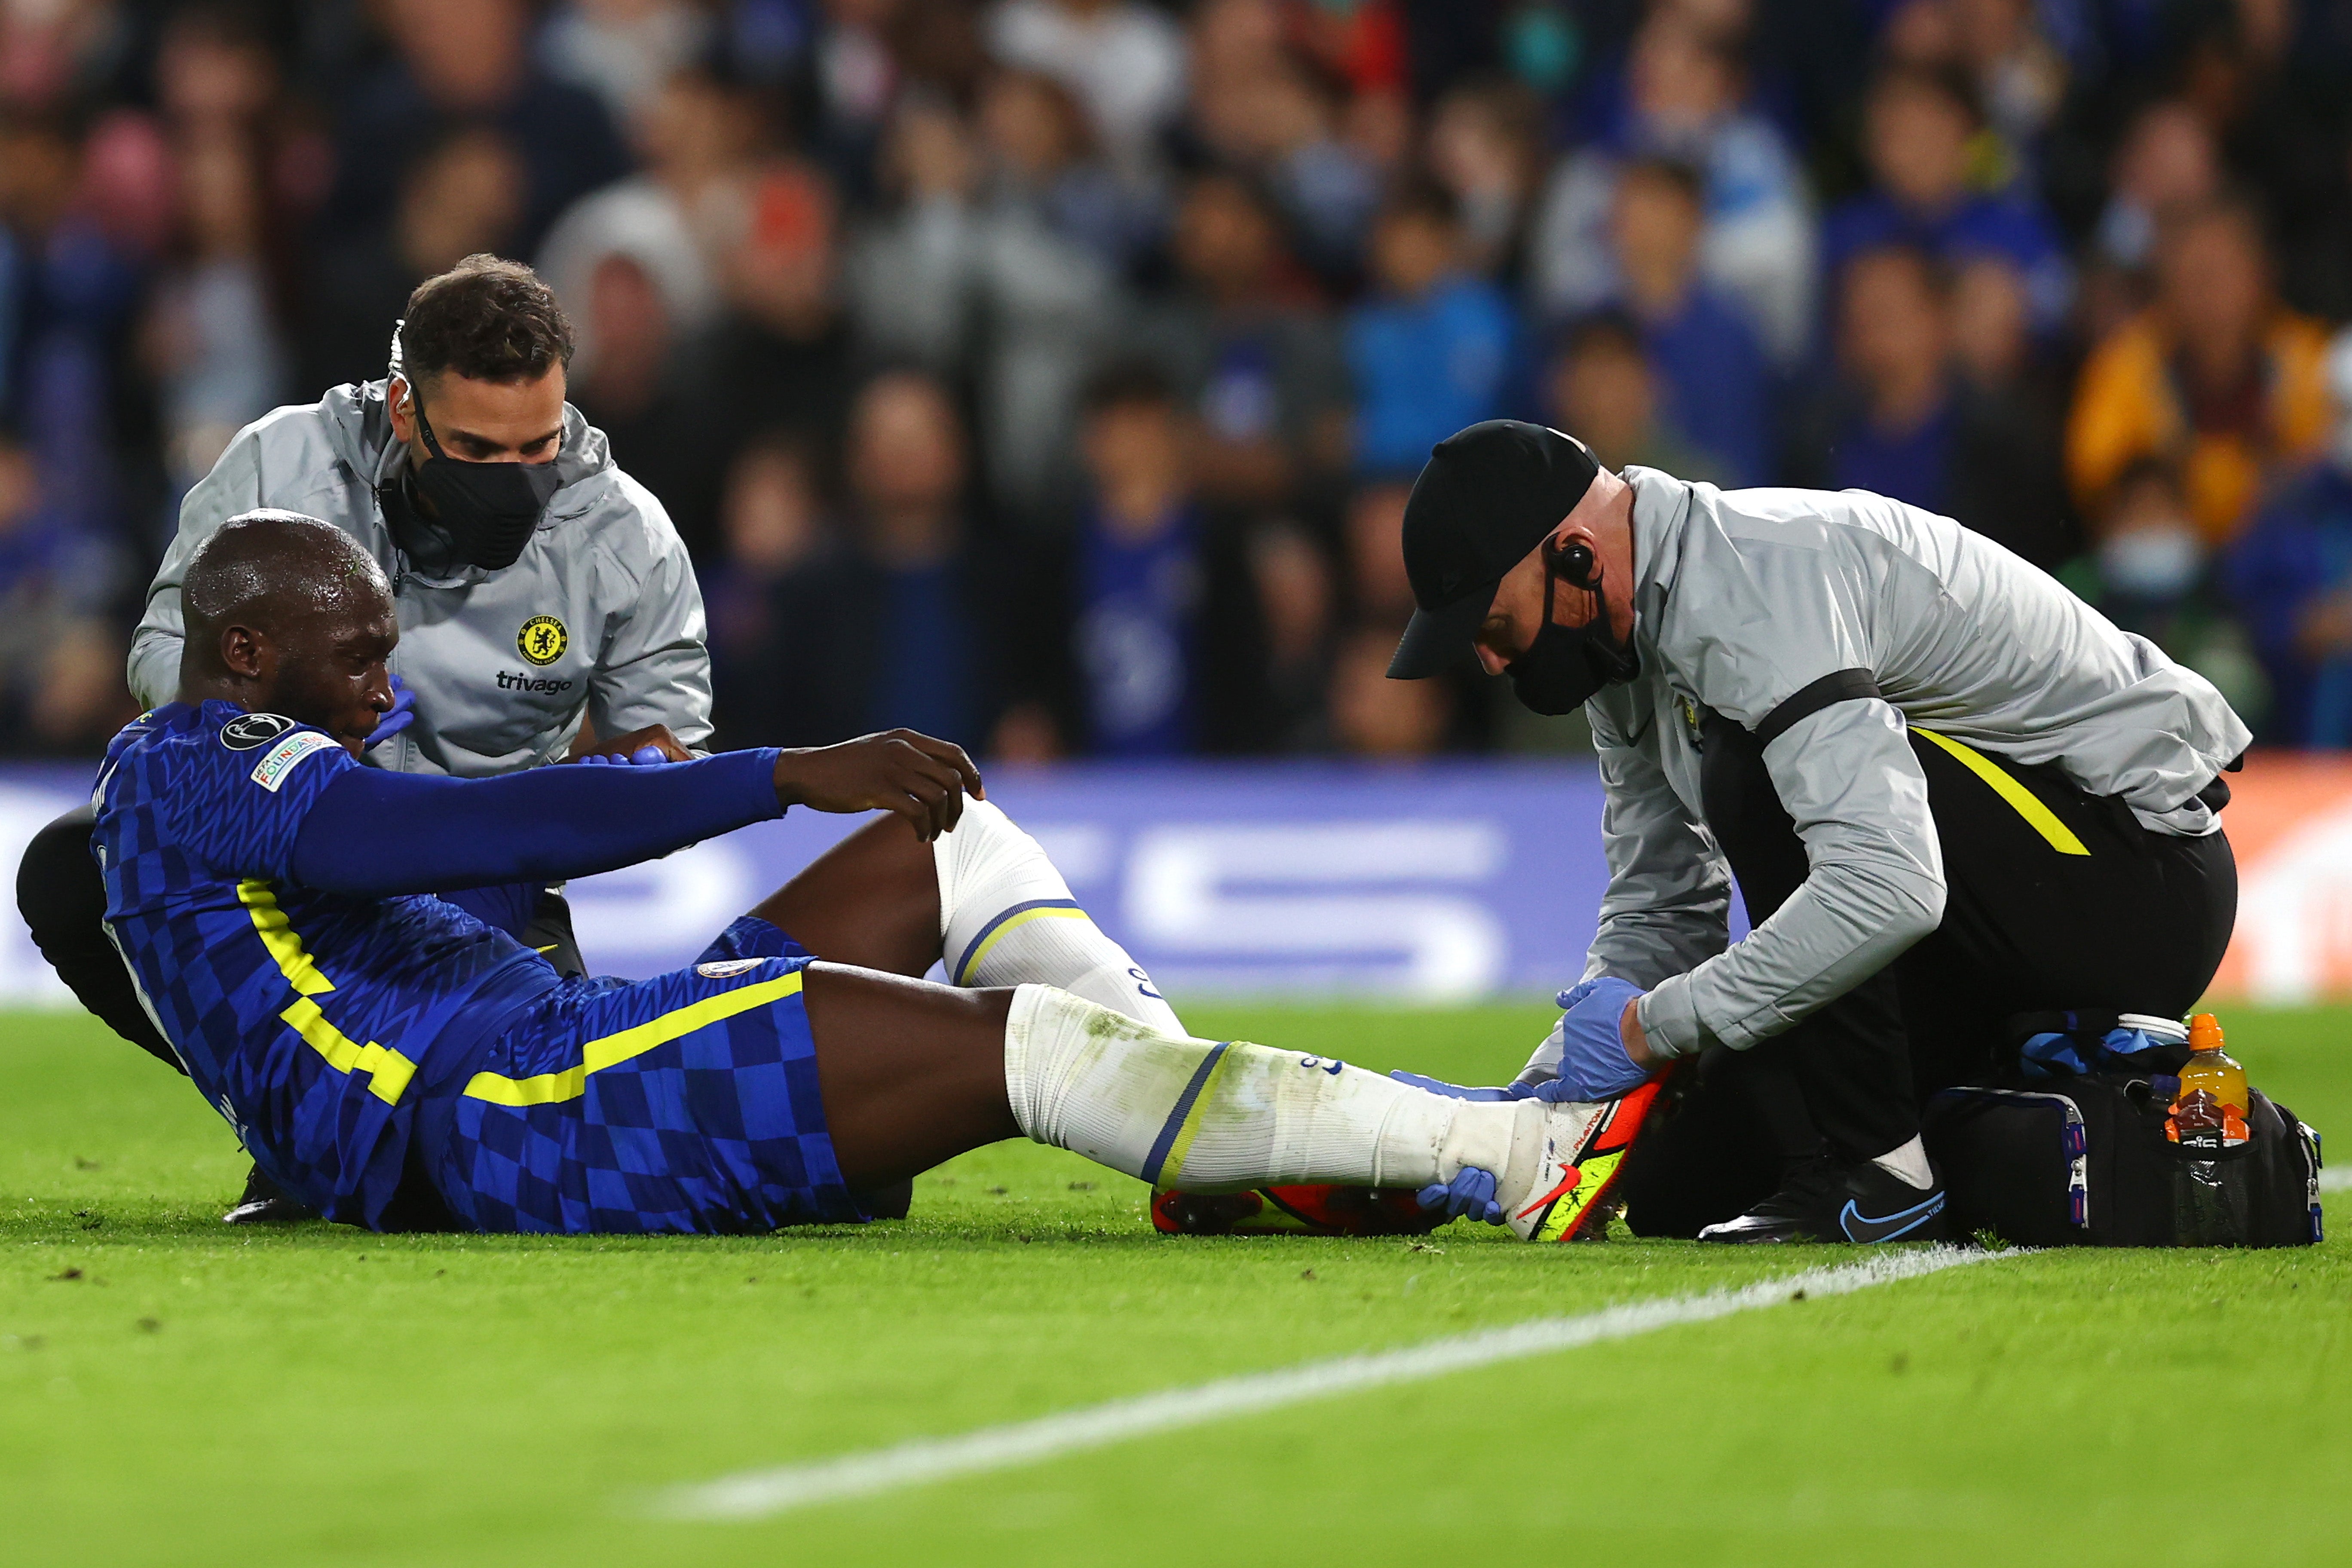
(2210, 1068)
(2210, 1110)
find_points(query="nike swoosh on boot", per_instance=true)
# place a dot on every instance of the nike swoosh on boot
(1859, 1227)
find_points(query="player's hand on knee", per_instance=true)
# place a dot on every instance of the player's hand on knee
(922, 779)
(1458, 1091)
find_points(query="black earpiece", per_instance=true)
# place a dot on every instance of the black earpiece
(1575, 564)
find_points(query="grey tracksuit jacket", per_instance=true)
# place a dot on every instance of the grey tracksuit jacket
(1743, 598)
(600, 614)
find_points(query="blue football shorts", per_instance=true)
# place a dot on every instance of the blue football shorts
(684, 1103)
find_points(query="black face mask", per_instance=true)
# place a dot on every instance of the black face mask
(486, 510)
(1566, 665)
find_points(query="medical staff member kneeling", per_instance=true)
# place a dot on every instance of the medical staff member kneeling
(1953, 797)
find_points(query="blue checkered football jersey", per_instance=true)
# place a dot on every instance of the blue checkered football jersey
(312, 1020)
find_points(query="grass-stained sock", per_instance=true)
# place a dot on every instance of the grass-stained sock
(1223, 1116)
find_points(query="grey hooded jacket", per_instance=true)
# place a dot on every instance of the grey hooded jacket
(601, 613)
(1742, 598)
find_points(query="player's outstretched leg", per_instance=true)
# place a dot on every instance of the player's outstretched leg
(913, 1074)
(743, 1094)
(983, 900)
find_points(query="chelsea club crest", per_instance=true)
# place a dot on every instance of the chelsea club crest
(542, 640)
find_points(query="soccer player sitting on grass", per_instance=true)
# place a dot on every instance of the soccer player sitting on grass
(397, 1063)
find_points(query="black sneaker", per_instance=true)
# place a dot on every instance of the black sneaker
(1824, 1200)
(263, 1203)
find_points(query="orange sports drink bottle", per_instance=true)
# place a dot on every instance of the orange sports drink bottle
(2209, 1111)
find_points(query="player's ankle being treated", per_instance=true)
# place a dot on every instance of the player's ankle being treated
(1006, 916)
(1211, 1117)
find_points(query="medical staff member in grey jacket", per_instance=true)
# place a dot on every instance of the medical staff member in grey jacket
(537, 586)
(1954, 797)
(536, 582)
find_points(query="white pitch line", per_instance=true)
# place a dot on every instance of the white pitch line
(759, 1494)
(2337, 1180)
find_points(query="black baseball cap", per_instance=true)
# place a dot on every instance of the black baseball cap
(1487, 496)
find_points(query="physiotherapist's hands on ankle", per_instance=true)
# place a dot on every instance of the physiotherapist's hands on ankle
(1470, 1195)
(922, 779)
(1599, 1036)
(1596, 1051)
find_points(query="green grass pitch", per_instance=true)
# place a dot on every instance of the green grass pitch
(175, 1392)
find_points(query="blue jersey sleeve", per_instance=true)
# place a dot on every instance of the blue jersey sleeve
(376, 834)
(245, 788)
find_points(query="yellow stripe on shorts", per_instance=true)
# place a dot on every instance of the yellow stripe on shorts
(554, 1088)
(2040, 817)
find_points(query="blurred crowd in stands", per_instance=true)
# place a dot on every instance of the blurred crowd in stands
(1049, 374)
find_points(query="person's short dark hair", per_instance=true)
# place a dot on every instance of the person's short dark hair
(818, 461)
(1727, 50)
(1422, 200)
(1509, 104)
(1600, 331)
(1243, 185)
(1945, 81)
(1127, 383)
(266, 563)
(2149, 470)
(1934, 274)
(234, 24)
(2234, 207)
(486, 319)
(786, 443)
(1214, 176)
(1682, 176)
(61, 127)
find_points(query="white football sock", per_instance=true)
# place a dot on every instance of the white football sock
(1908, 1163)
(1007, 917)
(1210, 1118)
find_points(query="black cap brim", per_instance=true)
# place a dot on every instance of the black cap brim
(1434, 640)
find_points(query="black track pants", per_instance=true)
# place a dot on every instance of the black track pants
(63, 899)
(2135, 921)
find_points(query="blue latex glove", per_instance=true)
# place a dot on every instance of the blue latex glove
(1470, 1194)
(643, 757)
(398, 717)
(1456, 1091)
(1575, 994)
(1592, 1061)
(1542, 1068)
